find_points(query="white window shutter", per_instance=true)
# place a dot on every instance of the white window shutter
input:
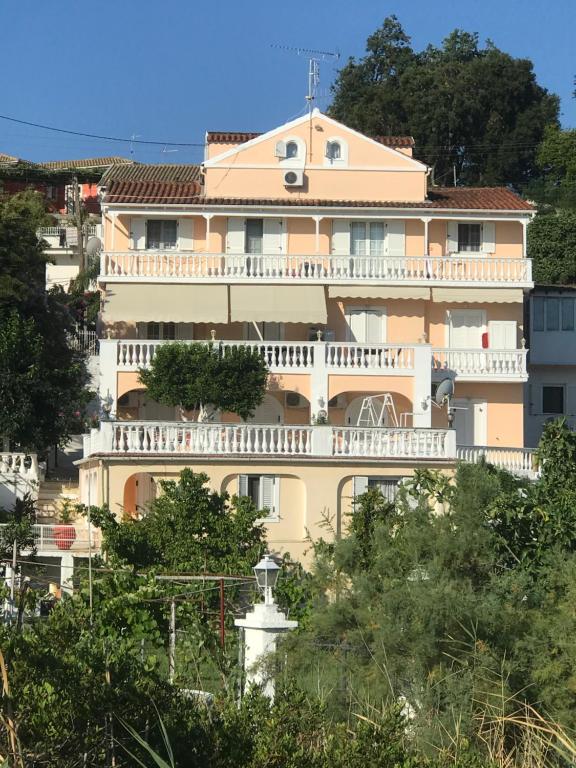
(138, 233)
(186, 234)
(488, 237)
(235, 236)
(360, 485)
(273, 236)
(395, 238)
(280, 149)
(452, 237)
(502, 334)
(242, 485)
(341, 237)
(268, 494)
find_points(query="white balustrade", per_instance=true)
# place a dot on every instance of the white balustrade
(393, 443)
(428, 270)
(498, 363)
(19, 464)
(361, 357)
(518, 461)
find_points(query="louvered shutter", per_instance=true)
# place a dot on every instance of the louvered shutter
(452, 237)
(138, 233)
(186, 234)
(235, 236)
(242, 485)
(341, 237)
(268, 494)
(273, 236)
(360, 485)
(395, 238)
(488, 237)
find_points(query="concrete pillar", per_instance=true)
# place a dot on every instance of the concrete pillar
(421, 405)
(66, 572)
(108, 383)
(319, 381)
(262, 627)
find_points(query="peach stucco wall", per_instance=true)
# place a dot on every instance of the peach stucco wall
(438, 326)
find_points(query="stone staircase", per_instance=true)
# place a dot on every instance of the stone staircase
(52, 494)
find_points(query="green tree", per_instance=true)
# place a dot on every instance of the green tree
(196, 375)
(189, 528)
(42, 380)
(475, 109)
(17, 527)
(552, 246)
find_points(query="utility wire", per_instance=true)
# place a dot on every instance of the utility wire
(97, 136)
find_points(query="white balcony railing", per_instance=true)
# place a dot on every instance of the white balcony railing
(296, 356)
(268, 440)
(13, 464)
(482, 363)
(61, 537)
(518, 461)
(416, 270)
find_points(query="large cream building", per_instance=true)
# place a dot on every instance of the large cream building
(328, 252)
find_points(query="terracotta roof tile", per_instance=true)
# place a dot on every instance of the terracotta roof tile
(230, 137)
(8, 159)
(395, 141)
(141, 172)
(153, 192)
(93, 162)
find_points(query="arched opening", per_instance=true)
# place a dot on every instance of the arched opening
(137, 405)
(139, 493)
(270, 411)
(346, 409)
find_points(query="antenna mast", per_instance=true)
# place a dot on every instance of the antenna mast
(314, 58)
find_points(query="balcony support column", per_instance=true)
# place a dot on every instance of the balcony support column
(66, 572)
(524, 238)
(426, 221)
(317, 220)
(421, 405)
(208, 217)
(108, 387)
(319, 381)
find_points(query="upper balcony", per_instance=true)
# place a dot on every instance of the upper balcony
(447, 271)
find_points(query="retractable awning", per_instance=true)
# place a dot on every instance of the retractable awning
(278, 303)
(166, 303)
(478, 295)
(377, 292)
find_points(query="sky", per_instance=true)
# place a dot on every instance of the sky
(168, 70)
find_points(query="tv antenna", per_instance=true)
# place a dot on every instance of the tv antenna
(314, 59)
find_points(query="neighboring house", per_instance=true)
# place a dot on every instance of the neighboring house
(551, 391)
(54, 181)
(326, 251)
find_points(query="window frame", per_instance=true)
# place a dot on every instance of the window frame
(368, 240)
(163, 244)
(465, 248)
(274, 516)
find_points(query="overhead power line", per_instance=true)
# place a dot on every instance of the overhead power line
(101, 138)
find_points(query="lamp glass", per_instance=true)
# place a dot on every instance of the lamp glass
(266, 573)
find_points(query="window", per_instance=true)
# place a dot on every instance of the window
(553, 399)
(158, 331)
(161, 234)
(291, 149)
(333, 150)
(254, 236)
(469, 237)
(263, 490)
(553, 313)
(367, 238)
(387, 485)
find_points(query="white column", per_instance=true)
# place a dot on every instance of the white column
(208, 217)
(317, 220)
(426, 243)
(66, 572)
(262, 627)
(421, 405)
(114, 219)
(524, 239)
(108, 382)
(322, 440)
(451, 444)
(319, 380)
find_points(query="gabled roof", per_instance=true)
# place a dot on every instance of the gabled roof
(93, 162)
(153, 184)
(141, 172)
(256, 138)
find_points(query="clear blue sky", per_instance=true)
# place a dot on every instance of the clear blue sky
(171, 69)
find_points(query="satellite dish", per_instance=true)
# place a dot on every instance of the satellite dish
(444, 392)
(93, 246)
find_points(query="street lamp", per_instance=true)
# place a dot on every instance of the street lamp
(267, 572)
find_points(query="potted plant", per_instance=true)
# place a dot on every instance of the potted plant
(65, 534)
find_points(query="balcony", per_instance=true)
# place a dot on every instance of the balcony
(152, 266)
(518, 461)
(350, 358)
(271, 440)
(481, 364)
(62, 538)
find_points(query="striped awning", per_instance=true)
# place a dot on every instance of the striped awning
(278, 303)
(478, 295)
(377, 292)
(165, 303)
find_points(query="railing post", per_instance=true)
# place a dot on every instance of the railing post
(319, 380)
(450, 444)
(321, 440)
(421, 405)
(108, 390)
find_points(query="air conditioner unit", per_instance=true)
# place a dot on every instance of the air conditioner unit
(340, 401)
(294, 400)
(293, 178)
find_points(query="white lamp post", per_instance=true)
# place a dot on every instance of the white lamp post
(262, 626)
